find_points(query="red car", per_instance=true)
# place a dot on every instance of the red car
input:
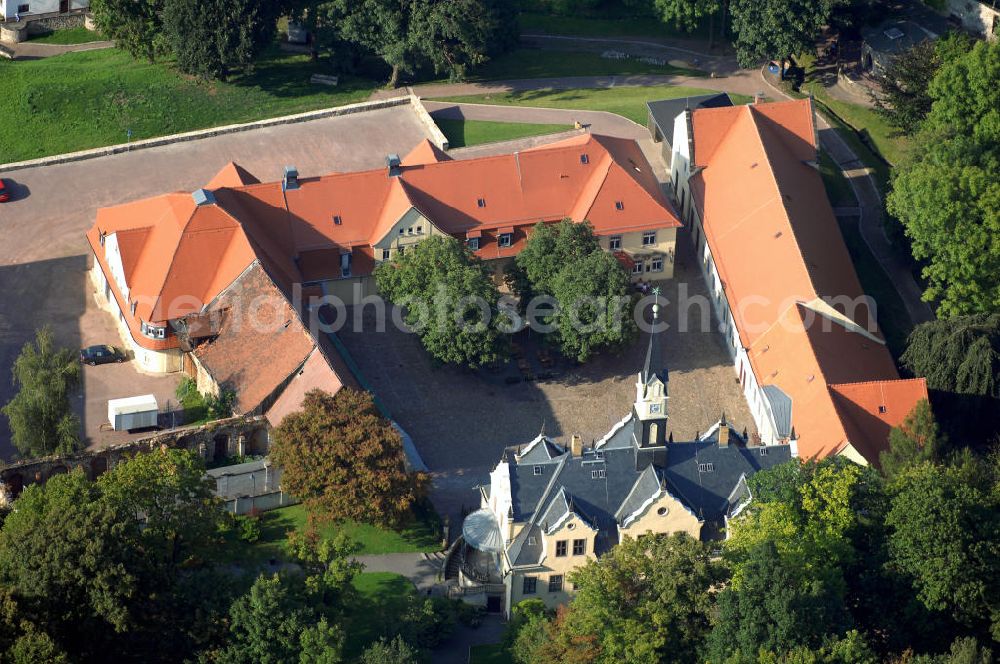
(4, 193)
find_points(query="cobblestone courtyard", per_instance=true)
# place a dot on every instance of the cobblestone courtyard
(461, 420)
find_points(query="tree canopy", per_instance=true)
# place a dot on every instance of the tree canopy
(903, 96)
(450, 299)
(915, 441)
(211, 38)
(565, 262)
(947, 195)
(42, 421)
(344, 460)
(122, 566)
(945, 536)
(776, 29)
(646, 600)
(960, 355)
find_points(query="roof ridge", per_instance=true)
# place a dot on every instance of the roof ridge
(879, 382)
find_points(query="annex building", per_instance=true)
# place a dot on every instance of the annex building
(181, 270)
(548, 509)
(807, 350)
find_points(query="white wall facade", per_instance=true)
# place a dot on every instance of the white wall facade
(680, 174)
(976, 17)
(10, 9)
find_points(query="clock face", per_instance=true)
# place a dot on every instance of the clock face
(654, 408)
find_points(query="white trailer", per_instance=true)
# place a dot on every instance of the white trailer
(133, 412)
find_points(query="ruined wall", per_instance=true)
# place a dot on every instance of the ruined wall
(212, 441)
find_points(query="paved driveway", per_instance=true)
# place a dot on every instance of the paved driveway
(44, 256)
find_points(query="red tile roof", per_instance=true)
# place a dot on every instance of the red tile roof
(783, 263)
(178, 256)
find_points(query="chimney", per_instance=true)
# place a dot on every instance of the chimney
(394, 164)
(201, 197)
(723, 432)
(576, 445)
(291, 179)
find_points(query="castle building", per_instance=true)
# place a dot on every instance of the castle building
(548, 508)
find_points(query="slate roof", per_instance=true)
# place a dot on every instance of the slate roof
(665, 111)
(631, 478)
(707, 492)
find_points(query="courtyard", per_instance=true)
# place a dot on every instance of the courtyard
(44, 256)
(461, 420)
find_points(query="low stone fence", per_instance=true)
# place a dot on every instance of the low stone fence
(349, 109)
(215, 440)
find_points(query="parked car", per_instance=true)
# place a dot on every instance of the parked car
(4, 192)
(101, 355)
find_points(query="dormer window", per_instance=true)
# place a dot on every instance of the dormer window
(133, 308)
(598, 474)
(763, 451)
(584, 158)
(537, 470)
(481, 202)
(706, 467)
(881, 409)
(337, 221)
(473, 243)
(619, 206)
(505, 239)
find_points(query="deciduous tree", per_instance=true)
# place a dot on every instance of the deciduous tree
(395, 651)
(947, 195)
(135, 26)
(775, 606)
(590, 287)
(903, 96)
(960, 355)
(915, 441)
(945, 535)
(211, 38)
(450, 299)
(594, 306)
(646, 600)
(168, 491)
(41, 419)
(685, 15)
(344, 460)
(777, 29)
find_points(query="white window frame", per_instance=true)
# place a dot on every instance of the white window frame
(615, 242)
(505, 239)
(648, 238)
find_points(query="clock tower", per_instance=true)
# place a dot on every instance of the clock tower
(651, 390)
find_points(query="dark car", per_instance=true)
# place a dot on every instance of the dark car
(4, 192)
(101, 355)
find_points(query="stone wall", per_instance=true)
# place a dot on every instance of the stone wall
(212, 441)
(60, 22)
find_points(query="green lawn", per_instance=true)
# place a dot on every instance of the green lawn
(382, 598)
(463, 133)
(491, 654)
(545, 63)
(584, 26)
(892, 315)
(77, 101)
(869, 124)
(838, 189)
(629, 102)
(79, 35)
(423, 534)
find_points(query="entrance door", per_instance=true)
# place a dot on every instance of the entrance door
(494, 603)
